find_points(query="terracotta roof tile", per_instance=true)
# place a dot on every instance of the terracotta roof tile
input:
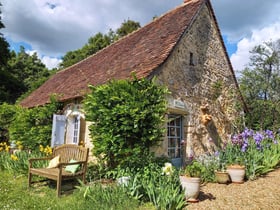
(141, 52)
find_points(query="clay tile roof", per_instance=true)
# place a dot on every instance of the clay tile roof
(141, 52)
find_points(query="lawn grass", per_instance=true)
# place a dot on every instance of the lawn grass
(16, 195)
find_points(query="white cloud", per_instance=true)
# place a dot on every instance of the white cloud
(50, 62)
(238, 18)
(54, 27)
(240, 59)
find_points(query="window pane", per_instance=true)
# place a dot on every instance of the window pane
(174, 133)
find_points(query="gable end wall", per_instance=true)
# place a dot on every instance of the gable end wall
(208, 80)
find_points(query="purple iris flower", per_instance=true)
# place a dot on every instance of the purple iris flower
(237, 139)
(258, 137)
(247, 133)
(244, 146)
(269, 134)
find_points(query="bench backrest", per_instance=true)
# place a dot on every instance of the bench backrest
(71, 151)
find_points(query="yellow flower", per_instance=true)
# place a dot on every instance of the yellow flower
(19, 143)
(49, 150)
(14, 157)
(7, 148)
(41, 148)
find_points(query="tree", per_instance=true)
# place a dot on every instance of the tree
(95, 43)
(127, 27)
(4, 46)
(128, 117)
(19, 72)
(260, 85)
(10, 87)
(28, 70)
(8, 84)
(98, 42)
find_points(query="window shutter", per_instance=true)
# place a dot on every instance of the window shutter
(58, 130)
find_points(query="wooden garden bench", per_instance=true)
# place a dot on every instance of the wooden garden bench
(66, 152)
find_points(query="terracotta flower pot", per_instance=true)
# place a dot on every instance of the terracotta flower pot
(191, 185)
(222, 177)
(236, 173)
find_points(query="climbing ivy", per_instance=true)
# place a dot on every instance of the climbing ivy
(127, 118)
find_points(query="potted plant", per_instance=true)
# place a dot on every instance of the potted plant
(221, 174)
(190, 180)
(234, 159)
(236, 173)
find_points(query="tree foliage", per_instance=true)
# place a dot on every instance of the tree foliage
(98, 42)
(127, 27)
(28, 70)
(128, 117)
(31, 126)
(20, 72)
(260, 85)
(4, 46)
(7, 115)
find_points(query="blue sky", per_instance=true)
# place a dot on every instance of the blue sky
(53, 27)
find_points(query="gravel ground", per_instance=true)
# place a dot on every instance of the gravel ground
(263, 193)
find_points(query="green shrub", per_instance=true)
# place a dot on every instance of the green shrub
(128, 116)
(7, 115)
(33, 127)
(209, 164)
(194, 169)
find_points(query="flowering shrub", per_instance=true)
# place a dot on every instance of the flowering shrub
(45, 150)
(259, 151)
(17, 162)
(4, 147)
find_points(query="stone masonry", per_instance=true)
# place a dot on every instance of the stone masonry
(199, 74)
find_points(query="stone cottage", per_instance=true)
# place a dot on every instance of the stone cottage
(185, 51)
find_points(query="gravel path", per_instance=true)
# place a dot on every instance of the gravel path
(263, 193)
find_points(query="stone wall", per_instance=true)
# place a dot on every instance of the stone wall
(198, 73)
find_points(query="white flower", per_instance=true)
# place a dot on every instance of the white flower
(167, 169)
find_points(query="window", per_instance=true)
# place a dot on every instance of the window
(174, 135)
(65, 130)
(191, 59)
(76, 130)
